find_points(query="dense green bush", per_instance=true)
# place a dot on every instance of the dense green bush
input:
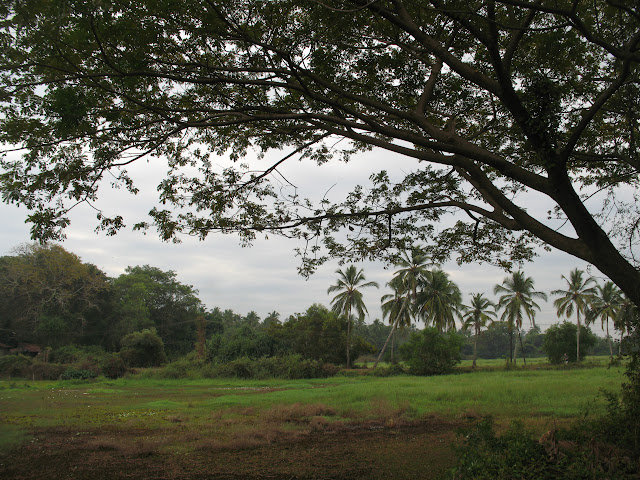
(430, 352)
(12, 366)
(143, 349)
(287, 367)
(560, 342)
(78, 374)
(46, 371)
(113, 365)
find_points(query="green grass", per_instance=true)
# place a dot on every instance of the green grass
(223, 408)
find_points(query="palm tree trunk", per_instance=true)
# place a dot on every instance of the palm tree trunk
(515, 351)
(349, 337)
(620, 344)
(393, 347)
(475, 349)
(522, 348)
(395, 324)
(511, 347)
(610, 344)
(578, 336)
(393, 328)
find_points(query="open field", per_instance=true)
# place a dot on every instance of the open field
(341, 427)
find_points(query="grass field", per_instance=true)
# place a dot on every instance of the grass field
(135, 418)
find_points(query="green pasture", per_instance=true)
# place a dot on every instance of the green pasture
(223, 408)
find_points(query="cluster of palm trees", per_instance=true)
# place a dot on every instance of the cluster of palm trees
(594, 301)
(421, 290)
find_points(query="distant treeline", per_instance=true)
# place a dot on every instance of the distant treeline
(51, 300)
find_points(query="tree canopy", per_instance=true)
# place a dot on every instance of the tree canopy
(492, 98)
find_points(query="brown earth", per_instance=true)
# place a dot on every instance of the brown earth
(420, 450)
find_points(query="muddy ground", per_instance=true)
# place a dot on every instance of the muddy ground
(422, 450)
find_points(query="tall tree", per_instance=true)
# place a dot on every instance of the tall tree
(147, 297)
(476, 316)
(578, 295)
(412, 268)
(517, 298)
(605, 305)
(350, 282)
(398, 307)
(49, 296)
(474, 92)
(627, 320)
(439, 300)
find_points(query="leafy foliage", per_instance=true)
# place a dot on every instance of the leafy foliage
(559, 454)
(560, 342)
(431, 352)
(143, 349)
(474, 93)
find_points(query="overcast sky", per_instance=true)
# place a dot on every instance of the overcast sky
(264, 277)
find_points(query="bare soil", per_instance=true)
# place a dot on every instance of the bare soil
(420, 450)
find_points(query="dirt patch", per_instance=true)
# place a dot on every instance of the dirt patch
(420, 450)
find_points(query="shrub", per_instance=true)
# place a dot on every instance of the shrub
(287, 367)
(143, 349)
(560, 342)
(15, 366)
(559, 454)
(430, 352)
(47, 371)
(113, 365)
(78, 374)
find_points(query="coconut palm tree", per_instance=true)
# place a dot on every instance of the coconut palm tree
(349, 283)
(517, 299)
(625, 319)
(578, 295)
(605, 305)
(413, 268)
(396, 306)
(476, 316)
(439, 300)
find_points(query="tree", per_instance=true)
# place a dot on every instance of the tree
(517, 298)
(476, 316)
(579, 294)
(148, 297)
(398, 307)
(349, 283)
(560, 343)
(474, 92)
(49, 296)
(605, 305)
(431, 352)
(143, 349)
(439, 300)
(626, 321)
(412, 270)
